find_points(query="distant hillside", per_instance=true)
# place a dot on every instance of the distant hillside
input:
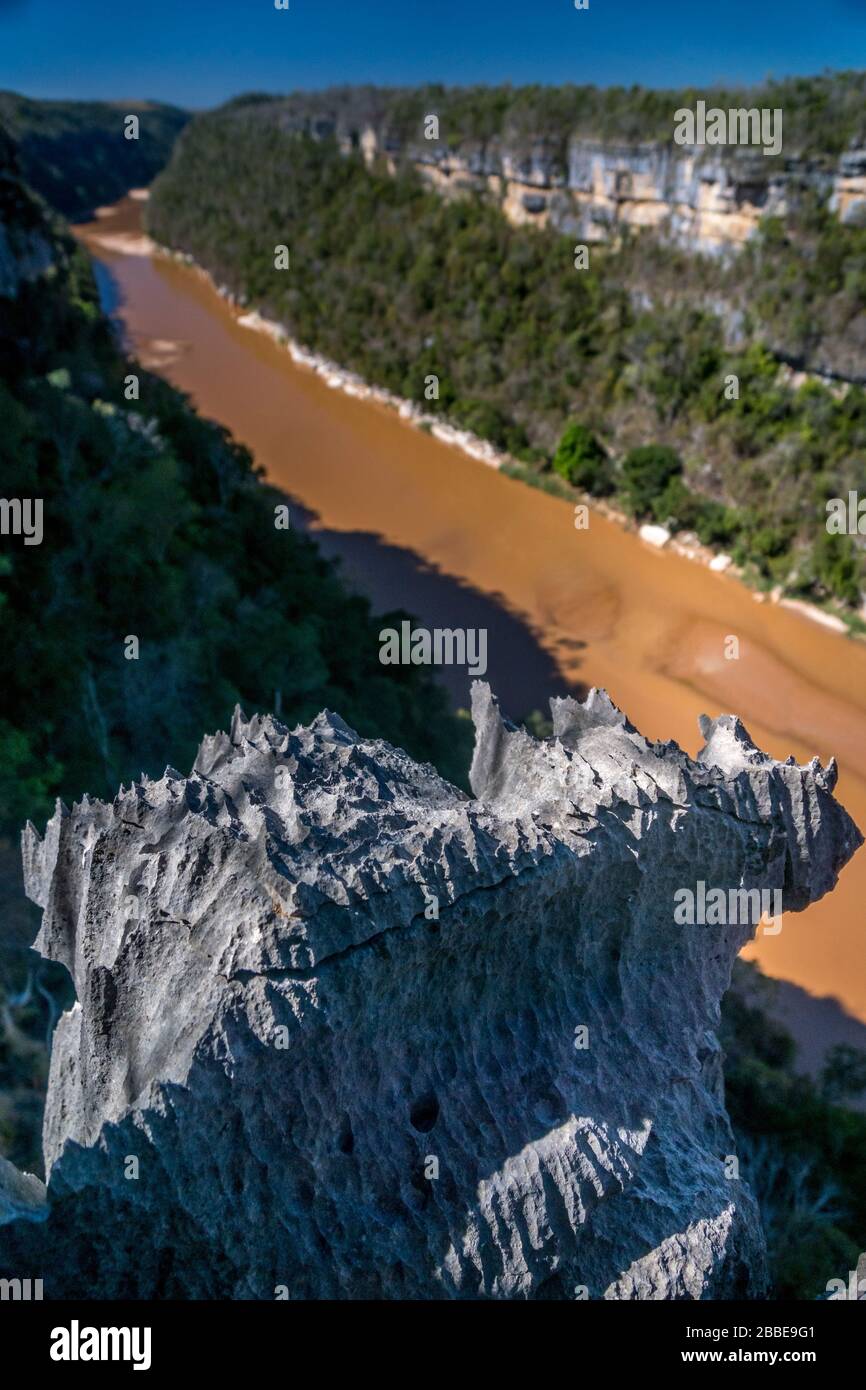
(824, 115)
(595, 162)
(156, 525)
(75, 153)
(636, 346)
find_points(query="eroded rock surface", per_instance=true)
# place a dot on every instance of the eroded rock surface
(285, 1072)
(705, 198)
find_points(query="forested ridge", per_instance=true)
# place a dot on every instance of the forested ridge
(824, 115)
(76, 154)
(156, 525)
(587, 377)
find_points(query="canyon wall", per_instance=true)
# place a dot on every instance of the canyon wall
(700, 198)
(707, 198)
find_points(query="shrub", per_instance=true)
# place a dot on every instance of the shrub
(836, 566)
(581, 460)
(647, 471)
(490, 422)
(843, 1076)
(716, 524)
(677, 507)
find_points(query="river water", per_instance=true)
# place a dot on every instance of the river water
(419, 525)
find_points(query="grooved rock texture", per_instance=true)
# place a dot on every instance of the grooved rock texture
(342, 1031)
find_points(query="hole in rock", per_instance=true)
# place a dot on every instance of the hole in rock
(424, 1113)
(347, 1138)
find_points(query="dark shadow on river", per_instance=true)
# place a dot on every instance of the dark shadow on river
(520, 671)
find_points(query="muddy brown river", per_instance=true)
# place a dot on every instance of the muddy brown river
(419, 525)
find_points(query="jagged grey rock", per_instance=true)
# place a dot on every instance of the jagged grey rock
(21, 1194)
(285, 1072)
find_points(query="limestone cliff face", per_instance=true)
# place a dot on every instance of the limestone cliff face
(702, 199)
(342, 1031)
(547, 170)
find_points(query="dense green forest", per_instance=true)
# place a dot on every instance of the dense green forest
(824, 115)
(392, 280)
(155, 526)
(75, 152)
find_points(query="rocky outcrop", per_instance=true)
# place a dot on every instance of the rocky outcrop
(342, 1031)
(703, 198)
(22, 1195)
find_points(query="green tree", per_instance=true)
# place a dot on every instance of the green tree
(843, 1076)
(582, 460)
(646, 473)
(837, 566)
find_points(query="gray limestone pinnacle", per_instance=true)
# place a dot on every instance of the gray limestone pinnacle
(344, 1031)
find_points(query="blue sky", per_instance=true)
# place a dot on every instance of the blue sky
(198, 52)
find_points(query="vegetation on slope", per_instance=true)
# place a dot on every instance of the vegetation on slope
(156, 526)
(824, 115)
(75, 153)
(799, 1145)
(399, 284)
